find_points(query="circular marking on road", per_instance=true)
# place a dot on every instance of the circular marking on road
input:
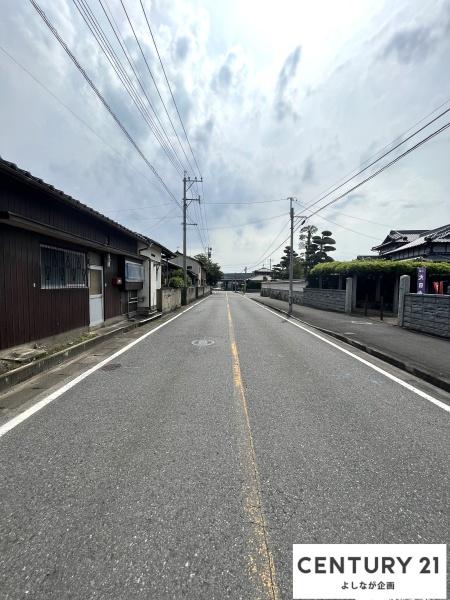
(202, 343)
(111, 367)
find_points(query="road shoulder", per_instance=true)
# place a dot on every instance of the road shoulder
(369, 343)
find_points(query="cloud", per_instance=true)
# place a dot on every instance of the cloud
(204, 133)
(308, 170)
(410, 45)
(227, 75)
(415, 43)
(182, 47)
(285, 95)
(240, 104)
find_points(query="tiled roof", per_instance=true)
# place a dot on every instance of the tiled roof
(14, 170)
(440, 234)
(401, 235)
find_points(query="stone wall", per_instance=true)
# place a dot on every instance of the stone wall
(324, 299)
(168, 299)
(429, 313)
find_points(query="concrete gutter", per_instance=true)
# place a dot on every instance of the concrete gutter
(435, 380)
(24, 372)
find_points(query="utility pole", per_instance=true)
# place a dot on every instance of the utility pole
(187, 184)
(291, 257)
(270, 268)
(245, 281)
(209, 252)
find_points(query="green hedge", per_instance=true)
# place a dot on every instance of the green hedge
(379, 267)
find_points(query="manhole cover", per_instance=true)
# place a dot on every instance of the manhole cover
(202, 342)
(111, 367)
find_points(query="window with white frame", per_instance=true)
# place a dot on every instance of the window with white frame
(61, 268)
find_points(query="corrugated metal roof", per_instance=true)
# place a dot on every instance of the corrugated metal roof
(12, 169)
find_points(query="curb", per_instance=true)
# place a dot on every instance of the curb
(11, 378)
(439, 382)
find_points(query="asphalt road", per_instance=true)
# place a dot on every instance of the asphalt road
(188, 470)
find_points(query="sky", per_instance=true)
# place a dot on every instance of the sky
(278, 99)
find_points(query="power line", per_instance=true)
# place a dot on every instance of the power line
(169, 86)
(153, 80)
(380, 158)
(116, 30)
(197, 210)
(257, 262)
(348, 228)
(135, 209)
(296, 228)
(205, 204)
(417, 145)
(78, 118)
(250, 222)
(116, 64)
(101, 98)
(206, 218)
(386, 166)
(247, 202)
(119, 64)
(341, 214)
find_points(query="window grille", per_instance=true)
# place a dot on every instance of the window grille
(62, 269)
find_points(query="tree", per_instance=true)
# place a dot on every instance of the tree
(325, 243)
(308, 246)
(213, 270)
(281, 270)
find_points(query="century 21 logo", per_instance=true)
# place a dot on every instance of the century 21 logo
(358, 564)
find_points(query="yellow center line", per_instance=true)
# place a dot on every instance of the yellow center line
(261, 565)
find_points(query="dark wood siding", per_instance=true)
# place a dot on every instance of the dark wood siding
(27, 312)
(26, 201)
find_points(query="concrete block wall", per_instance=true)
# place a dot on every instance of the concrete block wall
(429, 313)
(277, 294)
(283, 284)
(168, 299)
(203, 290)
(188, 295)
(324, 299)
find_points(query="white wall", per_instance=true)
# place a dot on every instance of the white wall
(152, 276)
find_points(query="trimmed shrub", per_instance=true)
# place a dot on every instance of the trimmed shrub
(379, 267)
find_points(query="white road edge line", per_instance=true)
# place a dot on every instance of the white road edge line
(23, 416)
(408, 386)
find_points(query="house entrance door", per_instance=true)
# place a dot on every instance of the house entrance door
(95, 295)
